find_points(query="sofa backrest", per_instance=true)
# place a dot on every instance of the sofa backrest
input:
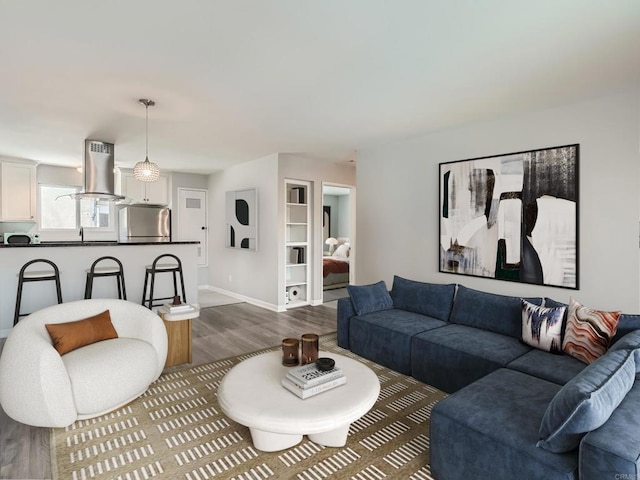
(489, 311)
(626, 324)
(433, 300)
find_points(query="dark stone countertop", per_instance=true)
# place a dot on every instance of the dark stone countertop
(89, 243)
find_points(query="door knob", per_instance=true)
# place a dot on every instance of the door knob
(204, 228)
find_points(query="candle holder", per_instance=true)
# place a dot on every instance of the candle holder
(310, 348)
(290, 347)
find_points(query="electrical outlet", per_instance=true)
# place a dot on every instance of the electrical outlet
(230, 279)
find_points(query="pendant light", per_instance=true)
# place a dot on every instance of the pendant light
(146, 171)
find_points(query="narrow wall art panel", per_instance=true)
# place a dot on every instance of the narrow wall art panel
(512, 217)
(242, 219)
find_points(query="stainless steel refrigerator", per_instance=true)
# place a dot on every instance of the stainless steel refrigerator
(144, 223)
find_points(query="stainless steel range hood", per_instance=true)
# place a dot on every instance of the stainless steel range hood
(98, 169)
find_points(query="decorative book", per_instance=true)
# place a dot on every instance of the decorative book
(296, 195)
(185, 307)
(309, 375)
(313, 390)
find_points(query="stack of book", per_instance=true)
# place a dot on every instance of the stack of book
(182, 308)
(306, 381)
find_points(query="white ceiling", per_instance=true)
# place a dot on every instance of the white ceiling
(238, 80)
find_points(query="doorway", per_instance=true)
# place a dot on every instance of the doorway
(338, 232)
(192, 220)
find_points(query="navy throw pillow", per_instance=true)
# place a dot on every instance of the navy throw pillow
(433, 300)
(587, 401)
(370, 298)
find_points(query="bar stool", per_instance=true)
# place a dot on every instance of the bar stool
(175, 268)
(36, 276)
(109, 271)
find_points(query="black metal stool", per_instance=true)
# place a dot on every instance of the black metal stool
(110, 271)
(36, 276)
(175, 268)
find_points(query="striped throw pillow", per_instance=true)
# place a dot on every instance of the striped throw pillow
(589, 332)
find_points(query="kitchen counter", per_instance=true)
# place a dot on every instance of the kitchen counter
(91, 243)
(73, 258)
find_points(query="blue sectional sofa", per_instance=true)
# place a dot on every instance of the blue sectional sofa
(514, 411)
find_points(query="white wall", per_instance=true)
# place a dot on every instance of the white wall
(239, 272)
(186, 180)
(397, 211)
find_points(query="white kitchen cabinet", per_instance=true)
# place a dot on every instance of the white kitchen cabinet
(18, 191)
(147, 192)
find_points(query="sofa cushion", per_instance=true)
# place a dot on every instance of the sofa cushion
(109, 373)
(589, 332)
(71, 335)
(370, 298)
(613, 450)
(626, 324)
(385, 336)
(345, 312)
(558, 369)
(454, 356)
(488, 311)
(489, 430)
(429, 299)
(631, 341)
(550, 302)
(542, 326)
(587, 401)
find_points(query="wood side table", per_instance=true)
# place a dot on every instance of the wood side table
(178, 327)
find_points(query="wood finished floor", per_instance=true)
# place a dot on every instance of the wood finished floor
(220, 332)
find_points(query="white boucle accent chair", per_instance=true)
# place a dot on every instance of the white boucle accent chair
(41, 388)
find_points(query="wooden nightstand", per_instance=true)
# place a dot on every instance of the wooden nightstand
(178, 327)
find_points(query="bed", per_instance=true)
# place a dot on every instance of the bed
(335, 268)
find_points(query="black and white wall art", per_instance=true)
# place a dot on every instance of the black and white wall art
(242, 219)
(512, 217)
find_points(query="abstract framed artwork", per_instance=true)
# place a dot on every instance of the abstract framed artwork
(242, 219)
(512, 217)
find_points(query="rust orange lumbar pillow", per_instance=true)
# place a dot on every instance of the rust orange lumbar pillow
(71, 335)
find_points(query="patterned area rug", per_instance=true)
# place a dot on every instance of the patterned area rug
(176, 430)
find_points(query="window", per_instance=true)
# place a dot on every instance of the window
(94, 213)
(59, 211)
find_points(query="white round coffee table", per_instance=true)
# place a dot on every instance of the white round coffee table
(251, 393)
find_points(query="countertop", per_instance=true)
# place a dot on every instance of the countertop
(89, 243)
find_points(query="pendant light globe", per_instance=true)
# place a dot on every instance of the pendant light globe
(146, 171)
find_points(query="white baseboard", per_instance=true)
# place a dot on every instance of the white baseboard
(244, 298)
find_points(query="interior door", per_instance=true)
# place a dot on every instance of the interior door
(192, 220)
